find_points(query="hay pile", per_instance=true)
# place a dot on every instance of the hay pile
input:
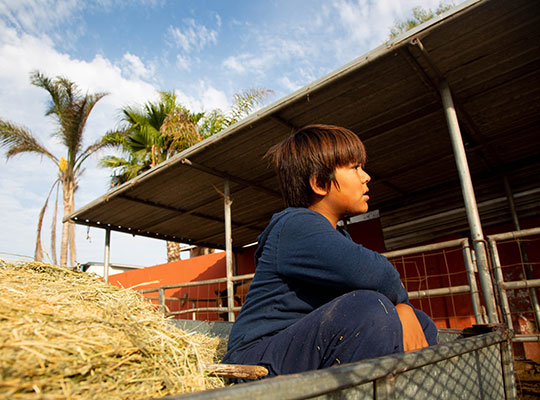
(67, 335)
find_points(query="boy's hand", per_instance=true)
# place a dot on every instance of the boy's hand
(413, 335)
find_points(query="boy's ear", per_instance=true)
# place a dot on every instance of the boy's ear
(316, 188)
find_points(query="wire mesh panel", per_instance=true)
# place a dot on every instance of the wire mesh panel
(516, 264)
(438, 284)
(472, 375)
(199, 300)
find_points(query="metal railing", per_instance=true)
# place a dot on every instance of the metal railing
(527, 283)
(470, 269)
(162, 298)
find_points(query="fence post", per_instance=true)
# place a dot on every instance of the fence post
(469, 199)
(161, 300)
(228, 250)
(469, 267)
(499, 279)
(107, 255)
(507, 361)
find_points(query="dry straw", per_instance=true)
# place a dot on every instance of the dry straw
(67, 335)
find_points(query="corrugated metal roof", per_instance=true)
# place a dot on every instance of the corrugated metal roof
(489, 53)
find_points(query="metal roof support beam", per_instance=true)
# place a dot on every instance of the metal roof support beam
(169, 208)
(284, 123)
(139, 232)
(235, 179)
(475, 139)
(227, 202)
(107, 255)
(471, 207)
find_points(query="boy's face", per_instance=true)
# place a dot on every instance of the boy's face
(350, 197)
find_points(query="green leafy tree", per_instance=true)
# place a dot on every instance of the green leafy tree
(70, 109)
(155, 132)
(419, 16)
(149, 136)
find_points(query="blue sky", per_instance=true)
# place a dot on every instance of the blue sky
(204, 50)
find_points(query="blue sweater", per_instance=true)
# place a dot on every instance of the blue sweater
(302, 262)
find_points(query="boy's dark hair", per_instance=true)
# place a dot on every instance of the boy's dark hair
(313, 151)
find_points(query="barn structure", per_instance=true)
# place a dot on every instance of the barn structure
(450, 116)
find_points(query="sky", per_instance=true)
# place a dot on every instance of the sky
(203, 50)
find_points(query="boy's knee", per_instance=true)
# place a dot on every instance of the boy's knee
(369, 308)
(369, 326)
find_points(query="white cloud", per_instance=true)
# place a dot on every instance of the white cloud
(272, 52)
(136, 68)
(236, 63)
(207, 98)
(39, 15)
(367, 23)
(288, 85)
(192, 36)
(183, 62)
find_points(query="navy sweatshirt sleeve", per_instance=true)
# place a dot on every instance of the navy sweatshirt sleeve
(311, 250)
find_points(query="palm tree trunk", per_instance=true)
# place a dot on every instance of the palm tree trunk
(72, 249)
(201, 251)
(53, 228)
(173, 251)
(68, 189)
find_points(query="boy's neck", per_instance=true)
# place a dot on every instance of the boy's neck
(321, 209)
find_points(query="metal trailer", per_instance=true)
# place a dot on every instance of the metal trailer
(475, 363)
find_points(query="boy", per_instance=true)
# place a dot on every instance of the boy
(317, 298)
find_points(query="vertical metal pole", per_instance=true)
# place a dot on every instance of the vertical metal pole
(385, 388)
(469, 267)
(161, 300)
(107, 255)
(470, 200)
(507, 360)
(499, 279)
(228, 250)
(511, 204)
(523, 251)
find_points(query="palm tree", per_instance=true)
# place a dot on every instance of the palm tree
(149, 136)
(70, 109)
(156, 132)
(419, 17)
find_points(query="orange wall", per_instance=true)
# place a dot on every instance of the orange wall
(194, 269)
(200, 268)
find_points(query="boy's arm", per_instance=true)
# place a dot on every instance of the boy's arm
(309, 248)
(413, 334)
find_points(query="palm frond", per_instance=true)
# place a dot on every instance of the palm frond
(116, 139)
(17, 139)
(38, 253)
(179, 132)
(70, 108)
(125, 169)
(91, 149)
(245, 102)
(213, 122)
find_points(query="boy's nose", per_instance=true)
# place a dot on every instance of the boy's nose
(366, 177)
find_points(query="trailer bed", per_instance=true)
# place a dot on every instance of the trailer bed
(475, 364)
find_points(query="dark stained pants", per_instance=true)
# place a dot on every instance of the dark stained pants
(356, 326)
